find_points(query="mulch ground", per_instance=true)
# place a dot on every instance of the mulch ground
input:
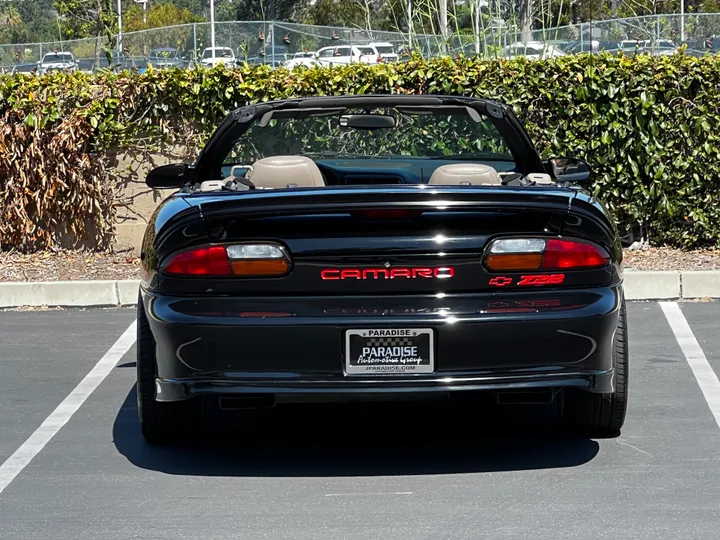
(67, 266)
(81, 265)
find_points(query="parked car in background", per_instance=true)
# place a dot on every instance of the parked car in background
(218, 55)
(385, 51)
(347, 54)
(85, 65)
(658, 47)
(117, 62)
(274, 60)
(276, 50)
(710, 44)
(57, 61)
(30, 68)
(307, 61)
(166, 58)
(532, 50)
(585, 46)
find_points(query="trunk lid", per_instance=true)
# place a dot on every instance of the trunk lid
(379, 240)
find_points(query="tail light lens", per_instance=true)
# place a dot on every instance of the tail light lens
(245, 260)
(210, 261)
(508, 254)
(258, 260)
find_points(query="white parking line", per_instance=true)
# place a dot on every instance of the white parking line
(59, 417)
(706, 377)
(368, 494)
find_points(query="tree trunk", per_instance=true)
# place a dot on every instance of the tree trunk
(443, 20)
(526, 20)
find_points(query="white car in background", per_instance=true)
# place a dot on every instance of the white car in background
(57, 61)
(385, 51)
(347, 54)
(532, 50)
(305, 61)
(660, 47)
(218, 55)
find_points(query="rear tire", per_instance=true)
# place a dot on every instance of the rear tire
(160, 422)
(602, 415)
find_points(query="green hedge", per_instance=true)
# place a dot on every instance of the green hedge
(648, 125)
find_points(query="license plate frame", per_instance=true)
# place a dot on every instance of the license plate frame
(357, 363)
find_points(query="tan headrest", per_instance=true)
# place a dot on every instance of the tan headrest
(472, 174)
(285, 171)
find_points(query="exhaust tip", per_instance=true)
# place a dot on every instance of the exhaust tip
(542, 396)
(236, 403)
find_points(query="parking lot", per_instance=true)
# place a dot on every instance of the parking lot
(327, 472)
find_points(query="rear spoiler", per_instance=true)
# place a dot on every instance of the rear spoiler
(342, 199)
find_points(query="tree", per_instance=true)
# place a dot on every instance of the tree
(337, 13)
(22, 21)
(86, 18)
(259, 10)
(159, 15)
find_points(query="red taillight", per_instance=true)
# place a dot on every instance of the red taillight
(209, 261)
(568, 254)
(515, 254)
(251, 259)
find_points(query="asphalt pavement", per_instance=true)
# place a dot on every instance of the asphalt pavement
(432, 471)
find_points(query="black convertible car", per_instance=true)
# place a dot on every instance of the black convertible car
(378, 247)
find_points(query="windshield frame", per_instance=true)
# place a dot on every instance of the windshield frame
(210, 159)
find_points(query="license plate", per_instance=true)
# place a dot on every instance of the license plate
(389, 351)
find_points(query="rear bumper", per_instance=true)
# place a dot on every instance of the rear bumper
(301, 389)
(295, 346)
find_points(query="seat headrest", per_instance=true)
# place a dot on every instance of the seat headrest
(471, 174)
(285, 171)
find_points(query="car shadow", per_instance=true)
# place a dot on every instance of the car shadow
(368, 439)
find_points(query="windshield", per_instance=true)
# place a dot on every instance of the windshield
(385, 49)
(366, 50)
(447, 133)
(57, 58)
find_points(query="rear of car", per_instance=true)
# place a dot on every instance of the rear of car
(347, 54)
(330, 280)
(218, 55)
(165, 58)
(58, 61)
(385, 52)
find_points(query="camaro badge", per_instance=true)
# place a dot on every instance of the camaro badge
(440, 272)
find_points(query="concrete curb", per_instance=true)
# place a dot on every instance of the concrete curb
(669, 285)
(68, 293)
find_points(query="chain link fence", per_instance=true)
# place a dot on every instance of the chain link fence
(263, 42)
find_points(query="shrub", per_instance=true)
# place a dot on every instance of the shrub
(646, 124)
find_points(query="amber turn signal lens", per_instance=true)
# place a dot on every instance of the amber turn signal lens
(264, 268)
(514, 261)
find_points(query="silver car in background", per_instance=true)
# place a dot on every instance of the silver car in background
(57, 61)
